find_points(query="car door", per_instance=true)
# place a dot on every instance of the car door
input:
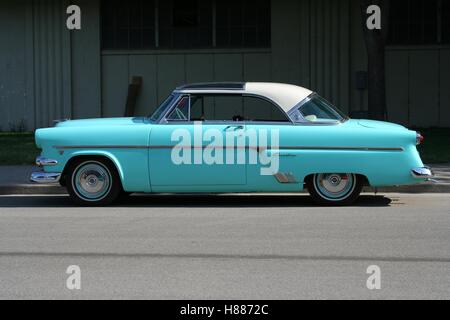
(191, 153)
(277, 166)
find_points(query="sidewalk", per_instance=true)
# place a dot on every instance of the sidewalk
(15, 180)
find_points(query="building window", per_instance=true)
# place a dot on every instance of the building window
(186, 13)
(185, 24)
(418, 22)
(445, 21)
(243, 23)
(128, 25)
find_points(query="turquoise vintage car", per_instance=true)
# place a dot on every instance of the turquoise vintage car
(227, 138)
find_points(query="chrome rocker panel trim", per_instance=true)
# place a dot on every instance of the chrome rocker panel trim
(422, 173)
(45, 177)
(41, 162)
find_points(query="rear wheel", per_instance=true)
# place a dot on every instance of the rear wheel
(334, 188)
(93, 182)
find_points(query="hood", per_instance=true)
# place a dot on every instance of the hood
(102, 122)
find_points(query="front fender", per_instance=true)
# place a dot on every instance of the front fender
(101, 153)
(64, 143)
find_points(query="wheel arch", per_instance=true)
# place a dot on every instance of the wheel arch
(90, 155)
(364, 178)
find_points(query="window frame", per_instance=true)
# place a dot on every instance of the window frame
(174, 106)
(438, 25)
(212, 44)
(164, 119)
(304, 121)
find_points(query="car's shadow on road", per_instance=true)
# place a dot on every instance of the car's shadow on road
(192, 201)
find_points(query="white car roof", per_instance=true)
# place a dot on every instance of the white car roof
(286, 96)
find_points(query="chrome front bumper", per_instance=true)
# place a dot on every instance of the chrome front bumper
(422, 173)
(41, 162)
(45, 177)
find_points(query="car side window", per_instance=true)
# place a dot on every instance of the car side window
(261, 110)
(181, 110)
(234, 108)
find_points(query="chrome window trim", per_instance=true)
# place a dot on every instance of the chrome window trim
(172, 108)
(179, 94)
(162, 118)
(189, 93)
(271, 123)
(296, 107)
(306, 122)
(217, 86)
(163, 114)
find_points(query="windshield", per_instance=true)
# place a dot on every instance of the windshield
(317, 109)
(162, 108)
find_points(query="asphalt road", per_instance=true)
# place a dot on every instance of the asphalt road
(226, 247)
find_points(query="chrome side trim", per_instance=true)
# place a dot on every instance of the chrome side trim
(422, 173)
(342, 148)
(45, 177)
(41, 162)
(101, 147)
(281, 148)
(285, 177)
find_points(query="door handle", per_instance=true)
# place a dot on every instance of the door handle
(237, 127)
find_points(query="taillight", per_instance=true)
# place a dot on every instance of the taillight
(419, 138)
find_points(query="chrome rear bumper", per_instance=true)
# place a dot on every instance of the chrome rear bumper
(422, 173)
(45, 177)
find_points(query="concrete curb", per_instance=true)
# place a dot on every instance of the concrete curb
(33, 189)
(420, 188)
(29, 189)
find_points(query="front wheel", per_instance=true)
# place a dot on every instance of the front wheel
(335, 189)
(93, 182)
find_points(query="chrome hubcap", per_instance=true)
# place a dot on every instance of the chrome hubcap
(334, 186)
(334, 183)
(92, 181)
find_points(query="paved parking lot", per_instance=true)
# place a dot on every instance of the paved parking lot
(226, 247)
